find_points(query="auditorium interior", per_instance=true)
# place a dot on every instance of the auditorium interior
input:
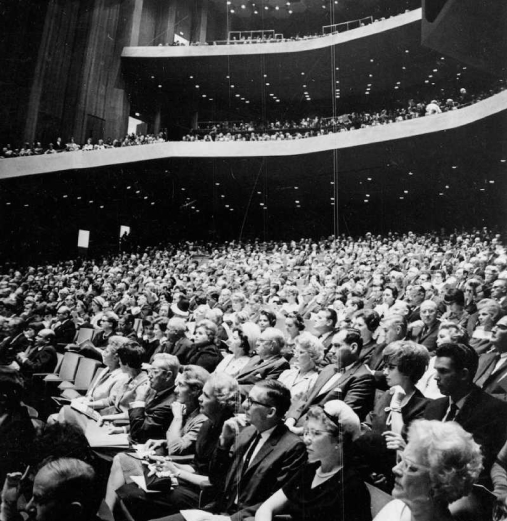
(80, 69)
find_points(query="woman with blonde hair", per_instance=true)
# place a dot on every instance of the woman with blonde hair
(439, 465)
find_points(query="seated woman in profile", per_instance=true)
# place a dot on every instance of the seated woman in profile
(439, 465)
(328, 487)
(180, 438)
(385, 427)
(218, 402)
(308, 354)
(242, 344)
(205, 351)
(105, 383)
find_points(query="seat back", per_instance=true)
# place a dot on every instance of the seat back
(59, 360)
(86, 370)
(69, 366)
(83, 334)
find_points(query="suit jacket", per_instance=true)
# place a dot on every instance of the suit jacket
(488, 380)
(414, 314)
(275, 463)
(426, 338)
(207, 356)
(356, 388)
(11, 346)
(65, 331)
(256, 370)
(153, 420)
(482, 416)
(40, 361)
(181, 349)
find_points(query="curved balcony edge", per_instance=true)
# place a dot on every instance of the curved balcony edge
(23, 166)
(292, 46)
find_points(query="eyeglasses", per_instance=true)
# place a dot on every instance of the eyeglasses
(249, 401)
(155, 371)
(408, 466)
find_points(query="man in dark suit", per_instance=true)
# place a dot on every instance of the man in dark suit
(348, 380)
(492, 372)
(265, 455)
(325, 324)
(150, 418)
(41, 359)
(267, 364)
(177, 343)
(499, 293)
(64, 328)
(415, 298)
(425, 331)
(15, 342)
(477, 412)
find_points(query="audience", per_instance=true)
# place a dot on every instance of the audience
(396, 352)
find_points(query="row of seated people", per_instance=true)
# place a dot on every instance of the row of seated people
(311, 127)
(244, 451)
(36, 149)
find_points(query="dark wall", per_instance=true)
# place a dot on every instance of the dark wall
(21, 28)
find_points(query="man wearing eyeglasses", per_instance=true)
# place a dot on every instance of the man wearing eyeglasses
(41, 359)
(492, 372)
(265, 455)
(347, 379)
(267, 364)
(150, 418)
(64, 328)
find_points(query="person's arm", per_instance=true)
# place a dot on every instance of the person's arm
(181, 436)
(272, 506)
(359, 395)
(499, 475)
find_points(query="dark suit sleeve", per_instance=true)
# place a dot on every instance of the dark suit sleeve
(67, 333)
(44, 362)
(359, 394)
(292, 461)
(146, 423)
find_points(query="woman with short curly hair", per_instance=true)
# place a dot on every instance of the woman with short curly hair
(439, 465)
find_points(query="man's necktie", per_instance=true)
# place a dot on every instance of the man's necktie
(453, 412)
(250, 451)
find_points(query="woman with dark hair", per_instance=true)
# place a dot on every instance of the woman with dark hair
(294, 325)
(16, 430)
(266, 319)
(115, 406)
(405, 363)
(328, 487)
(241, 345)
(205, 352)
(389, 296)
(218, 401)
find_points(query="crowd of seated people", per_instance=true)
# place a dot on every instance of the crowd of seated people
(319, 126)
(294, 373)
(36, 148)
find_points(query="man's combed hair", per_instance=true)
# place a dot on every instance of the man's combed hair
(278, 395)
